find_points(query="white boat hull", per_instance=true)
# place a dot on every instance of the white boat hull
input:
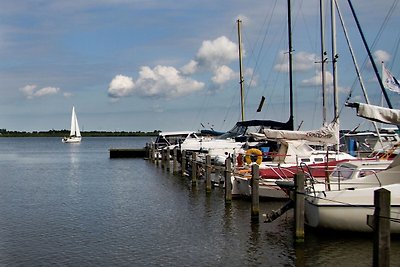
(71, 139)
(347, 210)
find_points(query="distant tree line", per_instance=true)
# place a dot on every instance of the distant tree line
(62, 133)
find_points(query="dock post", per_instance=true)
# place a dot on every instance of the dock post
(168, 159)
(299, 206)
(208, 174)
(255, 200)
(162, 158)
(175, 161)
(228, 182)
(151, 152)
(194, 168)
(157, 155)
(183, 163)
(380, 223)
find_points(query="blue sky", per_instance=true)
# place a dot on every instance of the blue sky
(173, 65)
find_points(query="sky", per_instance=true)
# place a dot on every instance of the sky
(145, 65)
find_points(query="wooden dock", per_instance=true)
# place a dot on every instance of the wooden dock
(128, 153)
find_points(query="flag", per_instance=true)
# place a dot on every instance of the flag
(389, 81)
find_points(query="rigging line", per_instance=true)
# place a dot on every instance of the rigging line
(389, 14)
(262, 44)
(395, 51)
(384, 23)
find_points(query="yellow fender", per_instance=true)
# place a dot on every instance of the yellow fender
(253, 153)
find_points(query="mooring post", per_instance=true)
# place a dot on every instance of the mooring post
(162, 158)
(228, 182)
(299, 206)
(183, 163)
(157, 154)
(194, 169)
(255, 200)
(168, 159)
(151, 152)
(380, 223)
(175, 161)
(208, 174)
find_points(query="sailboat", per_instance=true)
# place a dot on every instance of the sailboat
(75, 134)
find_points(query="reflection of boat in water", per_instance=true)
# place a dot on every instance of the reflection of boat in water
(75, 133)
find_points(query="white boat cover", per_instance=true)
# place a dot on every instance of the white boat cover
(379, 114)
(328, 134)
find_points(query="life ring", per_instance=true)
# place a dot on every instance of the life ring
(253, 155)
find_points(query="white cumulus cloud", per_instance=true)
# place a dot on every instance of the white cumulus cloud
(165, 81)
(121, 86)
(302, 61)
(316, 80)
(220, 51)
(223, 74)
(381, 55)
(31, 91)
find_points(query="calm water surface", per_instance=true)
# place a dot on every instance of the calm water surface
(70, 205)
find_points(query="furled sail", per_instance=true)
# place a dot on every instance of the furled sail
(377, 113)
(328, 134)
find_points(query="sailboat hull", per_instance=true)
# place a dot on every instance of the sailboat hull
(72, 139)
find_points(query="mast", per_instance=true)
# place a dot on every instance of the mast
(334, 60)
(291, 119)
(357, 69)
(334, 66)
(370, 56)
(239, 22)
(323, 60)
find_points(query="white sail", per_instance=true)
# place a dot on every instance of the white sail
(74, 124)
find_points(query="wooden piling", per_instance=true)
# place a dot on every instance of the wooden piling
(183, 163)
(255, 199)
(194, 168)
(175, 161)
(208, 174)
(228, 182)
(162, 158)
(380, 222)
(168, 159)
(299, 207)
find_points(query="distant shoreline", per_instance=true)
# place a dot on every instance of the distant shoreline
(62, 133)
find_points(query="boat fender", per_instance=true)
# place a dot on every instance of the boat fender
(253, 155)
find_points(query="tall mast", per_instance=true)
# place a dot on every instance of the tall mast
(291, 119)
(239, 22)
(334, 65)
(323, 60)
(334, 60)
(370, 56)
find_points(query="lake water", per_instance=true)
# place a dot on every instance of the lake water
(71, 205)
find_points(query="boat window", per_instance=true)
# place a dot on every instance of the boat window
(342, 172)
(305, 160)
(318, 159)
